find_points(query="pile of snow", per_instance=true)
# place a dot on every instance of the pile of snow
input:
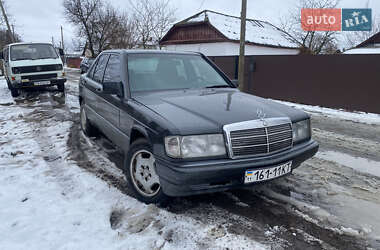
(360, 117)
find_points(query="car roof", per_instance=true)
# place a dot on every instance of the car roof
(150, 51)
(25, 43)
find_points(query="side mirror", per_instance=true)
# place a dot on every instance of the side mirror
(113, 88)
(235, 82)
(1, 55)
(61, 52)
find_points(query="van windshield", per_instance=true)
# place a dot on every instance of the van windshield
(149, 72)
(32, 52)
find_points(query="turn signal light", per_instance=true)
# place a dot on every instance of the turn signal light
(13, 78)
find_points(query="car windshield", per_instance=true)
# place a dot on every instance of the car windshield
(149, 72)
(32, 52)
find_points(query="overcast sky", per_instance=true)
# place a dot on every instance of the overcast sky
(40, 20)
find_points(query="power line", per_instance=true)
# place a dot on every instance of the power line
(201, 5)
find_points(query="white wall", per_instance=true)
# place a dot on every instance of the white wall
(229, 49)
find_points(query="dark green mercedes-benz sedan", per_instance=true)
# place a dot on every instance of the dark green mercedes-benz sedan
(184, 126)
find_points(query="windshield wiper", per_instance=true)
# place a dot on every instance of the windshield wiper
(218, 86)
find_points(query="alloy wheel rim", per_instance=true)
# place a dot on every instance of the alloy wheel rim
(143, 173)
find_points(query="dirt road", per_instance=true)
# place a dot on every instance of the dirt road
(330, 202)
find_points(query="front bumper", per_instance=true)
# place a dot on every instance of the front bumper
(31, 83)
(189, 178)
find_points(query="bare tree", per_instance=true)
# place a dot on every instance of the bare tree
(124, 34)
(82, 14)
(101, 25)
(310, 42)
(354, 38)
(7, 35)
(7, 21)
(152, 19)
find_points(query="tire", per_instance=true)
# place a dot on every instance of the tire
(61, 87)
(14, 92)
(87, 128)
(141, 174)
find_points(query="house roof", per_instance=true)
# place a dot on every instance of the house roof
(257, 32)
(372, 40)
(363, 51)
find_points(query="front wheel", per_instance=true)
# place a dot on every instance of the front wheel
(140, 170)
(61, 87)
(85, 124)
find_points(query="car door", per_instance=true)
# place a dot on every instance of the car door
(110, 104)
(92, 90)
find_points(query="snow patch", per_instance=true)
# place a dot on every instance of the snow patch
(360, 117)
(359, 164)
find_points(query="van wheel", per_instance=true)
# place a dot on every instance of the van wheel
(140, 170)
(14, 92)
(61, 87)
(85, 124)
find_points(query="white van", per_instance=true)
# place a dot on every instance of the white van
(28, 65)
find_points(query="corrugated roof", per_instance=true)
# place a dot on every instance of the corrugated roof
(258, 32)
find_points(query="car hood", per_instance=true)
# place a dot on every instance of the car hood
(203, 111)
(36, 62)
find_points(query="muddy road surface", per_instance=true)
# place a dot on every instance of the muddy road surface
(332, 201)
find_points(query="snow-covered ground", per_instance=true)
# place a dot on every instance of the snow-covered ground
(48, 202)
(61, 190)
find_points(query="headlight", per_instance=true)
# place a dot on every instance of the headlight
(195, 146)
(58, 67)
(16, 70)
(301, 131)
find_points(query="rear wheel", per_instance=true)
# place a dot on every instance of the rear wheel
(140, 170)
(85, 124)
(14, 92)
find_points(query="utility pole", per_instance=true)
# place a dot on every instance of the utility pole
(242, 44)
(6, 21)
(13, 31)
(63, 46)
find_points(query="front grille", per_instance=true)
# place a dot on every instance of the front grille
(37, 68)
(267, 137)
(39, 77)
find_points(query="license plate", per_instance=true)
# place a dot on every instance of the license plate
(258, 175)
(42, 83)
